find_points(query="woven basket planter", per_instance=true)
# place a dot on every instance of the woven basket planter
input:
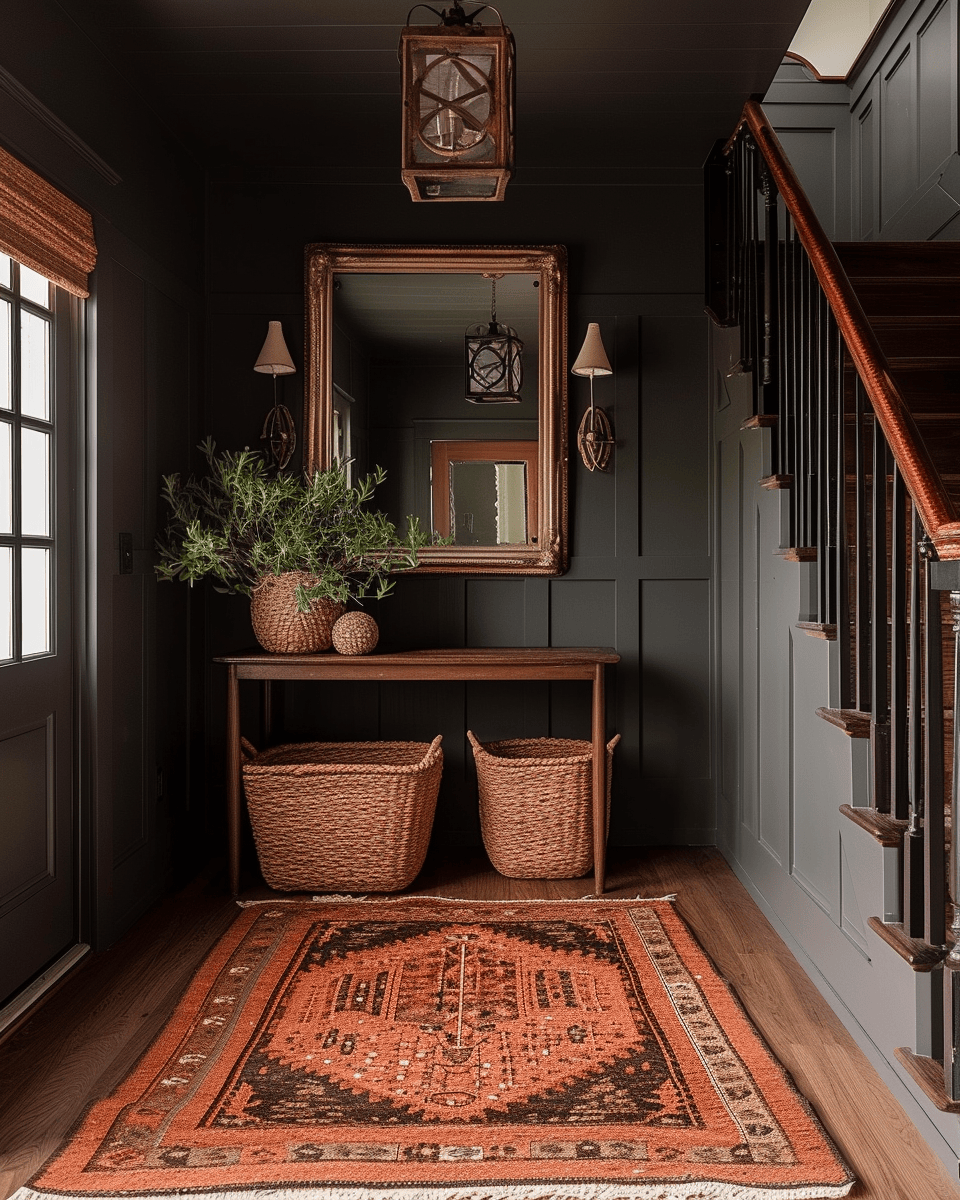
(536, 805)
(279, 627)
(342, 816)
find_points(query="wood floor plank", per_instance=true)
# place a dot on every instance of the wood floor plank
(79, 1044)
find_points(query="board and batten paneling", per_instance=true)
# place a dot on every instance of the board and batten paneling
(142, 646)
(904, 123)
(639, 563)
(812, 121)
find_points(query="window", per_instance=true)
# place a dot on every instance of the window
(27, 536)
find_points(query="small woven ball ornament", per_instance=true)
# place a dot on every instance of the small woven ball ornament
(355, 633)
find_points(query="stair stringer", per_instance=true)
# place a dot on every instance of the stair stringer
(815, 874)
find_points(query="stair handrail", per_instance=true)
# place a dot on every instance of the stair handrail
(920, 475)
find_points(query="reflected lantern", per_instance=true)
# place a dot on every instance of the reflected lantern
(494, 359)
(458, 102)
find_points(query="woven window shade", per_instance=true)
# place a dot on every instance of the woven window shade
(42, 229)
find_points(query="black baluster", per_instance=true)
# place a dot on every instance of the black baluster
(933, 781)
(913, 838)
(863, 559)
(847, 685)
(951, 974)
(898, 648)
(879, 652)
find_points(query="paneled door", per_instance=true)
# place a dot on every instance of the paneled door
(39, 521)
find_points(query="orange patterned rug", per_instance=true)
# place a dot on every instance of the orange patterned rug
(425, 1049)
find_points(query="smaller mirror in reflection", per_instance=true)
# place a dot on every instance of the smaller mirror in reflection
(485, 493)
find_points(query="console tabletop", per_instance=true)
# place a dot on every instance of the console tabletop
(508, 663)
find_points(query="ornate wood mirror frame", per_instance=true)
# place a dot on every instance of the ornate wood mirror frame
(546, 551)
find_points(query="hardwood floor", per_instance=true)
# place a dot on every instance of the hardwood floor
(78, 1045)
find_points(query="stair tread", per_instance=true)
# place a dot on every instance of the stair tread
(935, 259)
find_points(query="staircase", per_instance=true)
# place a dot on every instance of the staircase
(910, 293)
(853, 354)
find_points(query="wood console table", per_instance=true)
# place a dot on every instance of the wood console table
(516, 663)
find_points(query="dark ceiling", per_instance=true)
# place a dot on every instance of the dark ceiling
(606, 91)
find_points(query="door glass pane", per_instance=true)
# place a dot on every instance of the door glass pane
(6, 477)
(34, 287)
(6, 359)
(35, 483)
(4, 270)
(6, 602)
(34, 366)
(35, 600)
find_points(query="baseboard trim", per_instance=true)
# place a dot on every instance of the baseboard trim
(12, 1013)
(886, 1069)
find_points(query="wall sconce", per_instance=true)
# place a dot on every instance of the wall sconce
(595, 435)
(458, 85)
(494, 362)
(278, 429)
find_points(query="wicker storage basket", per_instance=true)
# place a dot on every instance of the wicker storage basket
(536, 805)
(347, 816)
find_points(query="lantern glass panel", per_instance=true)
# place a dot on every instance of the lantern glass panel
(494, 365)
(456, 103)
(455, 106)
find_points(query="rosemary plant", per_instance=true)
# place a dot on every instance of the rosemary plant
(239, 523)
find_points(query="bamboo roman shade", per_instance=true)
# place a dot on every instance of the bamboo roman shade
(42, 229)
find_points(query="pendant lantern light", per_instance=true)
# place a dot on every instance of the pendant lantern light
(458, 83)
(494, 360)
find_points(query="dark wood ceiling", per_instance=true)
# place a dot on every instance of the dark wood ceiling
(607, 91)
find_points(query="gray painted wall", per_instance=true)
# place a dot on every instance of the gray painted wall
(877, 159)
(784, 772)
(879, 155)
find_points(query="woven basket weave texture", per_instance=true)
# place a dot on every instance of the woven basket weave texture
(355, 633)
(348, 816)
(277, 625)
(536, 805)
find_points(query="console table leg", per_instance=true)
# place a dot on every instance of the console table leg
(233, 781)
(599, 782)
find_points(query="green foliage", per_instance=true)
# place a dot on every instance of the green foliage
(239, 522)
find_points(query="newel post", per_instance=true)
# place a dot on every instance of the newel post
(951, 972)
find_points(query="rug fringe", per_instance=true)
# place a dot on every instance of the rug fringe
(668, 1190)
(331, 899)
(344, 899)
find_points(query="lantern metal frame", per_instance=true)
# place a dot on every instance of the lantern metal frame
(493, 361)
(457, 146)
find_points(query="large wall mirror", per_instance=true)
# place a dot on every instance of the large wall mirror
(386, 385)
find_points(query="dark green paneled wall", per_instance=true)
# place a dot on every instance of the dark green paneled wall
(639, 535)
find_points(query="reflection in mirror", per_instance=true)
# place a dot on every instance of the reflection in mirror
(485, 493)
(488, 503)
(388, 385)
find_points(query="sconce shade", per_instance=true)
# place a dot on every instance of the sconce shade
(458, 101)
(494, 361)
(592, 359)
(274, 357)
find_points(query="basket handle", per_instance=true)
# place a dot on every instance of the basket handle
(611, 745)
(248, 750)
(473, 741)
